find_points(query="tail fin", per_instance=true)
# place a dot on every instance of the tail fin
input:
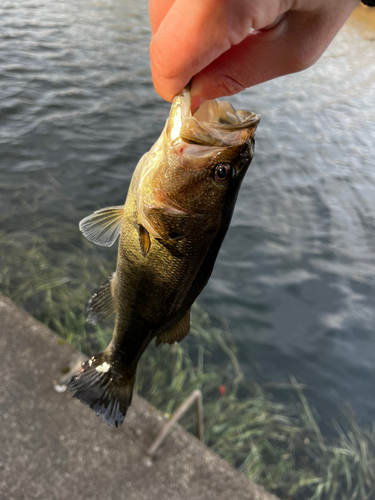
(104, 388)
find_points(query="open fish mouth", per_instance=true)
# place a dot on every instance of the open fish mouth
(178, 174)
(222, 115)
(214, 123)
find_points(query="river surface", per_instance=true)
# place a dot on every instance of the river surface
(295, 279)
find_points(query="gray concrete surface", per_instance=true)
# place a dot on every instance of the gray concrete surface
(54, 448)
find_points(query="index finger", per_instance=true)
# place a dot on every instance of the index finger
(189, 38)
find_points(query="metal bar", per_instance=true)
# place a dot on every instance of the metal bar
(199, 414)
(195, 396)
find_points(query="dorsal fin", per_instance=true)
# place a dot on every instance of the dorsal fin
(102, 303)
(103, 226)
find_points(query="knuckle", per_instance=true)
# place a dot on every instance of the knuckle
(158, 62)
(299, 62)
(302, 56)
(155, 54)
(227, 85)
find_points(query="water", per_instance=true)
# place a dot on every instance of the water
(295, 278)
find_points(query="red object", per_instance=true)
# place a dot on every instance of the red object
(222, 390)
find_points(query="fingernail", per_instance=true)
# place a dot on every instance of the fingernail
(196, 101)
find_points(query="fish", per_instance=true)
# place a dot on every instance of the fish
(176, 214)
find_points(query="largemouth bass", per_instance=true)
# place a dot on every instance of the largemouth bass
(177, 211)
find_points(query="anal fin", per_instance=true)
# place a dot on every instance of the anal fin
(102, 303)
(176, 333)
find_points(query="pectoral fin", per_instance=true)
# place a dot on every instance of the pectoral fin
(176, 333)
(102, 303)
(104, 226)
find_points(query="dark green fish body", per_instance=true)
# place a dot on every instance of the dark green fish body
(178, 209)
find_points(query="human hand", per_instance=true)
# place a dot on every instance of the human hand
(225, 46)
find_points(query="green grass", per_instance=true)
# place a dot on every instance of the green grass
(277, 443)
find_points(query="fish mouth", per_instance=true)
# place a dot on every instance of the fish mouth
(222, 115)
(214, 123)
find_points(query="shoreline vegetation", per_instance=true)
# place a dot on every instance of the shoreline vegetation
(277, 442)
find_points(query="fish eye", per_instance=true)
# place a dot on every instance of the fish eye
(223, 173)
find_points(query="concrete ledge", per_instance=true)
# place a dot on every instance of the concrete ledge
(54, 448)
